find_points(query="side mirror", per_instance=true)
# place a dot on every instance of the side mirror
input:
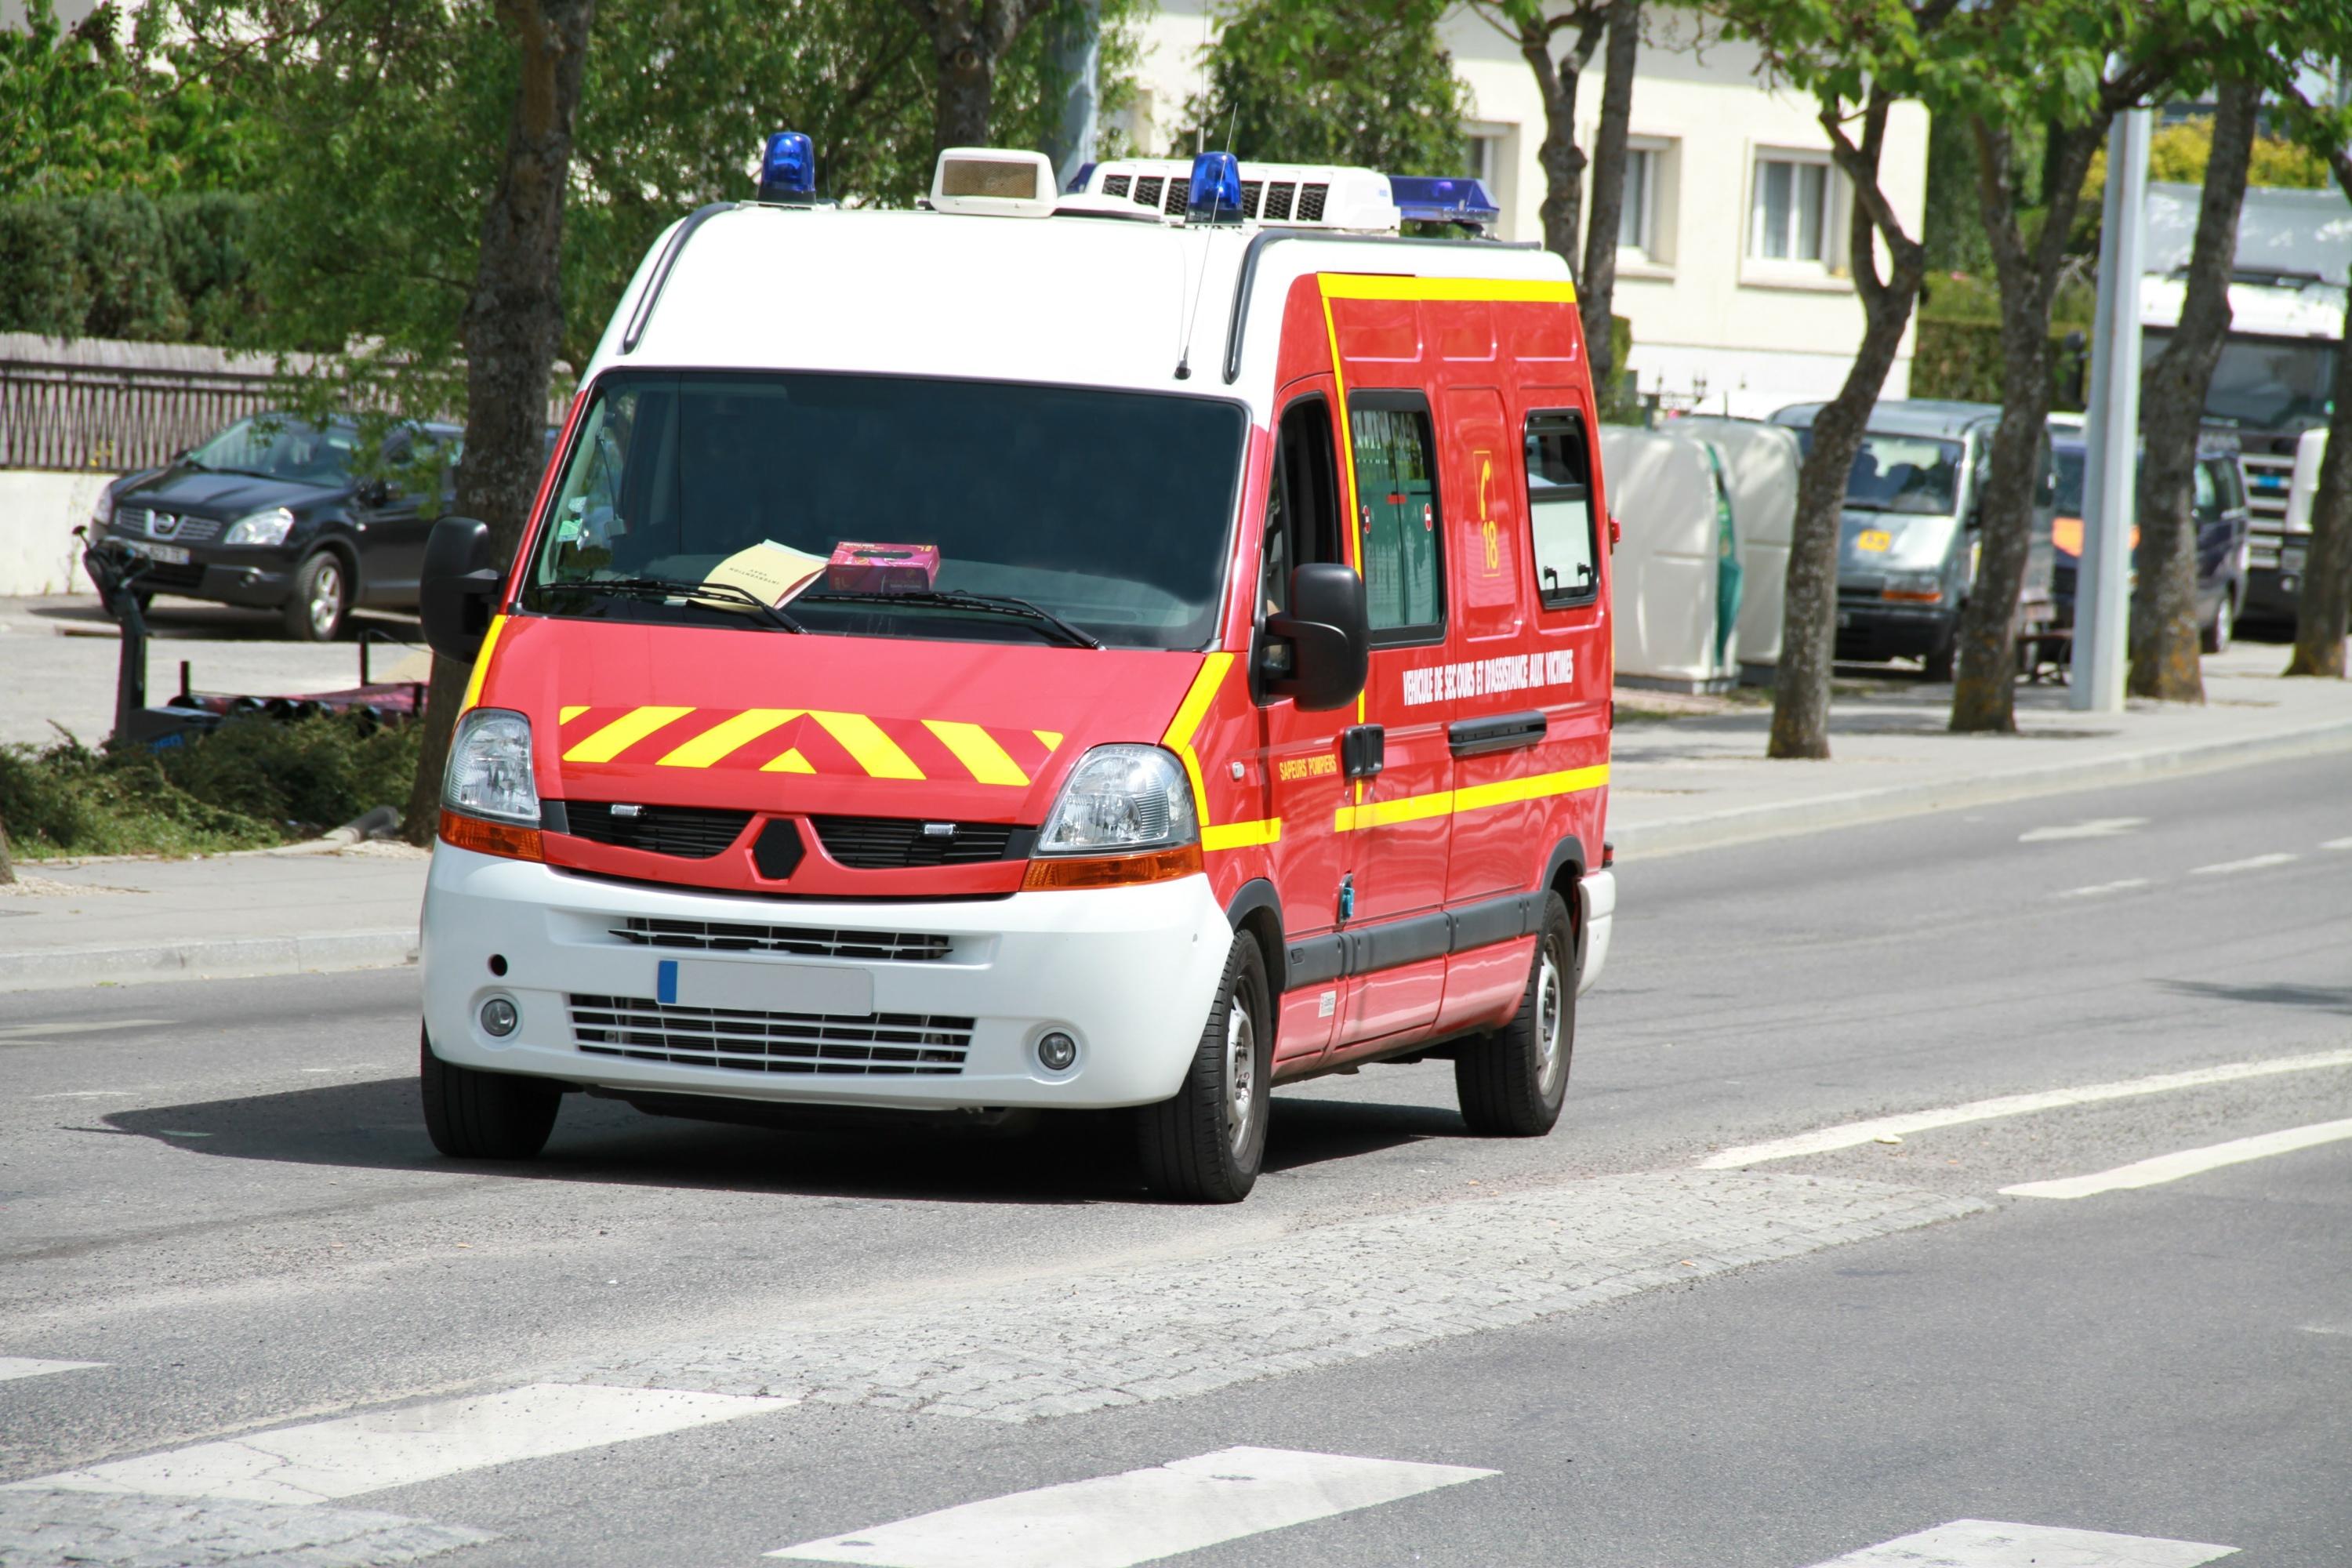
(460, 584)
(371, 493)
(1330, 637)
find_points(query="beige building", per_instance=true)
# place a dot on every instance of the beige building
(1730, 265)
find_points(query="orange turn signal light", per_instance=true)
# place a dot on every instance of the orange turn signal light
(1913, 596)
(1112, 871)
(503, 839)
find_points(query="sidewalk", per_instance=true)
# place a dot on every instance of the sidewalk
(1685, 782)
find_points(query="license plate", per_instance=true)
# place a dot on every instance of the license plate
(170, 554)
(761, 987)
(2290, 560)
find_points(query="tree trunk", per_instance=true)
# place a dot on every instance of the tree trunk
(512, 325)
(2324, 613)
(968, 43)
(2163, 628)
(1800, 686)
(1562, 159)
(1984, 697)
(1596, 290)
(8, 864)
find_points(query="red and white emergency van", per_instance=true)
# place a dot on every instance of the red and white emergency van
(1133, 649)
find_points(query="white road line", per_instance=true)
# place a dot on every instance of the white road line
(2337, 844)
(1848, 1134)
(398, 1447)
(2187, 1163)
(1140, 1516)
(12, 1366)
(1989, 1543)
(38, 1032)
(2251, 863)
(2097, 888)
(2098, 828)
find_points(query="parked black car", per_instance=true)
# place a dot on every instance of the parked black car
(269, 513)
(2222, 545)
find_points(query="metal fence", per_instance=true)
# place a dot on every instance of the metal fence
(116, 418)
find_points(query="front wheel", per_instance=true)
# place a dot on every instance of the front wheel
(321, 598)
(1204, 1144)
(475, 1115)
(1512, 1083)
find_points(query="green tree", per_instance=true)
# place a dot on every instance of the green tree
(1361, 82)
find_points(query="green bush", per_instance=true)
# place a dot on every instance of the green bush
(209, 239)
(124, 265)
(1963, 359)
(317, 772)
(41, 284)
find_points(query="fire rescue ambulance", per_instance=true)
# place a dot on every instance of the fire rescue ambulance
(1125, 649)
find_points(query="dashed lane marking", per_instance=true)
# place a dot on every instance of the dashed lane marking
(1989, 1544)
(2187, 1163)
(2337, 844)
(1847, 1135)
(16, 1366)
(2127, 885)
(1140, 1516)
(2251, 863)
(42, 1033)
(2098, 828)
(407, 1444)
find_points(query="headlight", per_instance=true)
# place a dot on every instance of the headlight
(1120, 798)
(103, 514)
(267, 527)
(489, 773)
(1918, 588)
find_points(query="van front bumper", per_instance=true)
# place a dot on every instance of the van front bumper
(635, 988)
(1868, 630)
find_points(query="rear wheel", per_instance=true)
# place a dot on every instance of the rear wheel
(475, 1115)
(2222, 629)
(321, 598)
(1512, 1083)
(1205, 1144)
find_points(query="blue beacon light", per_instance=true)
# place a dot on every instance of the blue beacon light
(788, 169)
(1216, 193)
(1429, 198)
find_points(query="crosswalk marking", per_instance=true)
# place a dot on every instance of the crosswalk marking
(33, 1366)
(2187, 1163)
(1989, 1544)
(398, 1447)
(1140, 1516)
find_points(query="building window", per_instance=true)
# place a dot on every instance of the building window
(1637, 223)
(1486, 160)
(1788, 213)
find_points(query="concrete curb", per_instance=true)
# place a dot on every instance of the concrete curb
(227, 958)
(1786, 818)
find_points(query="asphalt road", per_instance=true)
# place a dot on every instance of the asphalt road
(1592, 1349)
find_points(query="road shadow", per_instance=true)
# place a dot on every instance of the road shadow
(1075, 1158)
(2323, 998)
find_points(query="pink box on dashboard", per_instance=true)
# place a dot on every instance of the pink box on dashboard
(882, 568)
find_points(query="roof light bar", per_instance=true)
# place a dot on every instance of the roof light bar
(788, 169)
(1427, 198)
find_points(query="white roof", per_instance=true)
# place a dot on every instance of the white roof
(1069, 300)
(2267, 310)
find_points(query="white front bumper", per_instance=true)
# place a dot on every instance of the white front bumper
(1599, 891)
(1130, 972)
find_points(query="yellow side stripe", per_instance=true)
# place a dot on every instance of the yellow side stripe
(1189, 714)
(1241, 835)
(1452, 290)
(863, 739)
(976, 749)
(726, 738)
(624, 733)
(482, 663)
(1473, 797)
(792, 762)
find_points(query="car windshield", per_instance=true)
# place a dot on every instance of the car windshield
(2265, 383)
(1906, 473)
(1107, 511)
(2069, 460)
(280, 446)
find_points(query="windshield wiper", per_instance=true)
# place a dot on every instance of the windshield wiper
(957, 599)
(676, 589)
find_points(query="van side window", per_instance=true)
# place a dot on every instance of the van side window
(1302, 509)
(1396, 495)
(2209, 492)
(1560, 510)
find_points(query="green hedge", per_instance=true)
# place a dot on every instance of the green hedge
(125, 265)
(1963, 359)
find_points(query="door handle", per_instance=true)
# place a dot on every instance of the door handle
(1503, 733)
(1363, 751)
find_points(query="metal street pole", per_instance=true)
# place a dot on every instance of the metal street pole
(2111, 430)
(1076, 51)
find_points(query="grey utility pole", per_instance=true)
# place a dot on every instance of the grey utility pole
(2110, 431)
(1076, 51)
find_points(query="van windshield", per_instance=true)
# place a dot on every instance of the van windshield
(1906, 473)
(2264, 383)
(1109, 510)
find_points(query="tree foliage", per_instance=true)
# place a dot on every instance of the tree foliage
(1361, 82)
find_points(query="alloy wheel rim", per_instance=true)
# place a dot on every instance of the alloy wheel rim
(1549, 1057)
(326, 597)
(1241, 1074)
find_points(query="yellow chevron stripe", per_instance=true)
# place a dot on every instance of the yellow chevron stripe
(792, 762)
(623, 732)
(1050, 739)
(976, 749)
(482, 663)
(1472, 798)
(863, 739)
(1189, 714)
(726, 738)
(1241, 835)
(565, 715)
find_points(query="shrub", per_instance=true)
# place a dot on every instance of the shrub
(126, 267)
(122, 265)
(41, 285)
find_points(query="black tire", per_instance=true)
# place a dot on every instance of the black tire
(321, 601)
(2219, 633)
(1512, 1083)
(1204, 1145)
(475, 1115)
(1936, 664)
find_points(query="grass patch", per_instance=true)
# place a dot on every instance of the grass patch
(251, 784)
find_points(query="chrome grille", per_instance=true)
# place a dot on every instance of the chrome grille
(888, 843)
(148, 523)
(877, 1045)
(807, 941)
(690, 832)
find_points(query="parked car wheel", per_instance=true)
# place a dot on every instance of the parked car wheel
(1936, 664)
(1204, 1144)
(2222, 629)
(1511, 1083)
(321, 598)
(473, 1115)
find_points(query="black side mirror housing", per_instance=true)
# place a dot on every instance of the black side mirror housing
(1330, 637)
(371, 493)
(460, 586)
